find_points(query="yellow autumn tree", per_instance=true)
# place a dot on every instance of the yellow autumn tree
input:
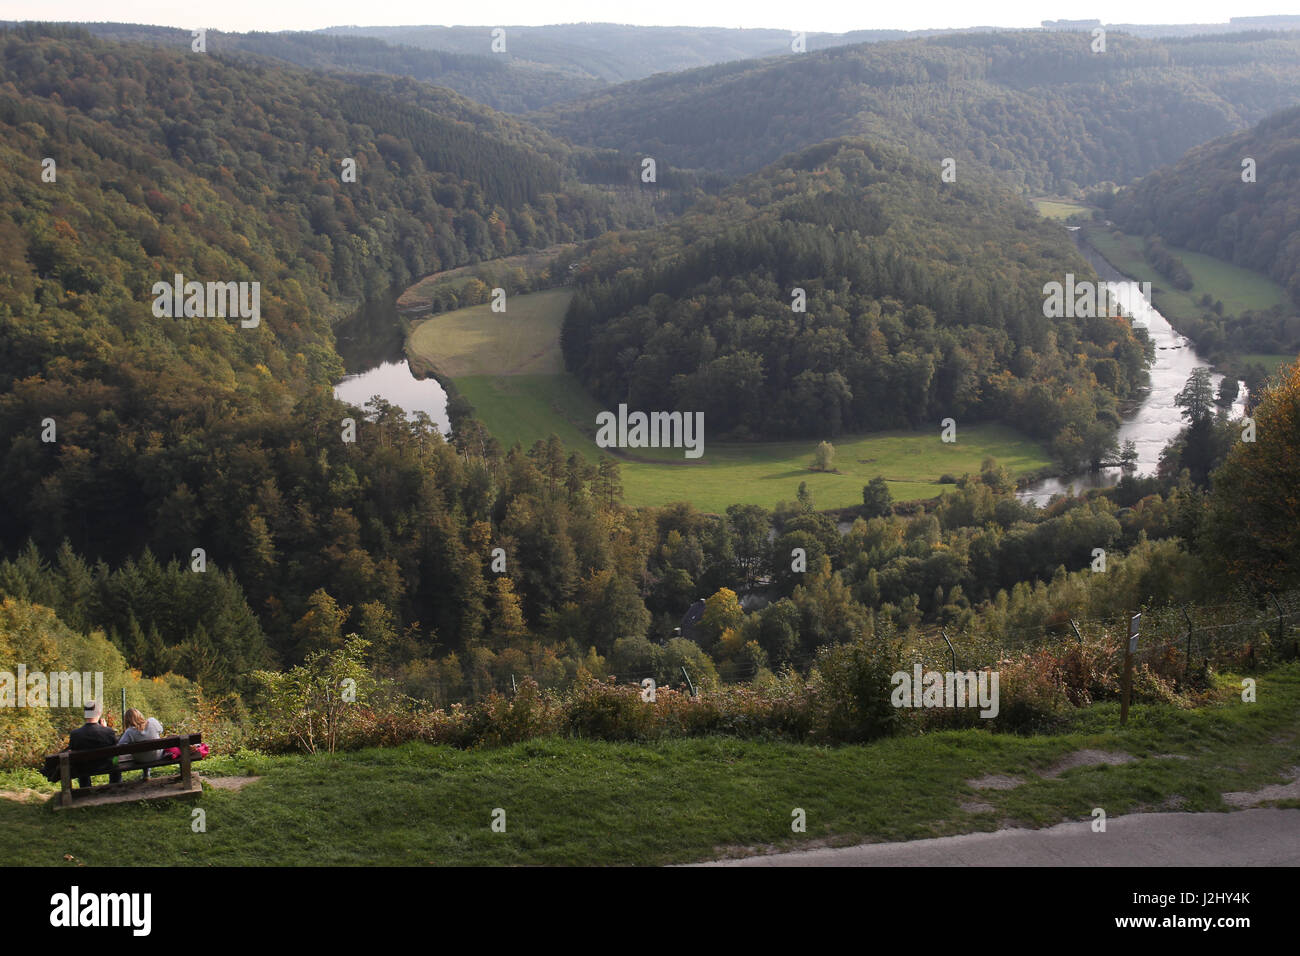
(722, 612)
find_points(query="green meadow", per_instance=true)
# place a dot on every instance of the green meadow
(1273, 362)
(523, 340)
(509, 367)
(1059, 208)
(1239, 289)
(569, 801)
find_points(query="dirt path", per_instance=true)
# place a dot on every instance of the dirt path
(1261, 837)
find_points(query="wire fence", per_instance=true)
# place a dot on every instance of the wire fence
(1183, 639)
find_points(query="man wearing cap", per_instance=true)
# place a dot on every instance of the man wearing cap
(92, 735)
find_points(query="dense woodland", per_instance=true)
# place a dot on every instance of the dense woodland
(211, 173)
(924, 301)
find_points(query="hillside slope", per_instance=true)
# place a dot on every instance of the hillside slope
(122, 429)
(924, 300)
(1038, 109)
(503, 83)
(1203, 203)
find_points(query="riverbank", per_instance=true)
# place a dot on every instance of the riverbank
(1156, 419)
(1238, 289)
(507, 367)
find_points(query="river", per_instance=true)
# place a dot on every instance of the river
(1154, 419)
(371, 345)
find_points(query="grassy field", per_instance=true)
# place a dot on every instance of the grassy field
(1239, 289)
(526, 408)
(1059, 208)
(509, 367)
(523, 340)
(581, 802)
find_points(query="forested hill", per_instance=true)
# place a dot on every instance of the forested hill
(501, 82)
(440, 180)
(1040, 109)
(1203, 202)
(620, 52)
(924, 301)
(172, 433)
(601, 52)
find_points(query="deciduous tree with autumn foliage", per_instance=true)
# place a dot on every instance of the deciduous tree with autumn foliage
(1254, 519)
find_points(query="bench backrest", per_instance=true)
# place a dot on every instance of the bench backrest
(161, 743)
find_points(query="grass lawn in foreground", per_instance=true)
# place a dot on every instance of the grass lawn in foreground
(571, 801)
(509, 367)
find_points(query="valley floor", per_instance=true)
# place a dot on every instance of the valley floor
(508, 365)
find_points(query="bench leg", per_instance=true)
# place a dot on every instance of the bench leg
(65, 773)
(185, 766)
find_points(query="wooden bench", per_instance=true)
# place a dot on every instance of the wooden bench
(63, 766)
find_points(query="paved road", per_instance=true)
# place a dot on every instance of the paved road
(1263, 837)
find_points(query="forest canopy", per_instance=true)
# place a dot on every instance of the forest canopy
(924, 300)
(1037, 109)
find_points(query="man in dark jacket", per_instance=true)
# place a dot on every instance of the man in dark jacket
(92, 735)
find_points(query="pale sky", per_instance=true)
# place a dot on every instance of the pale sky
(833, 16)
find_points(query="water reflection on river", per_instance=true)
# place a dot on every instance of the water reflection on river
(1156, 420)
(394, 381)
(371, 346)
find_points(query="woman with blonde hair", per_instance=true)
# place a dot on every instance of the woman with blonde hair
(137, 729)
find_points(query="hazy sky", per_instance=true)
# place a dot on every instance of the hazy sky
(813, 15)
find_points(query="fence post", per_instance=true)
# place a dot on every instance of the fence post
(1188, 668)
(954, 666)
(950, 648)
(1130, 648)
(1281, 621)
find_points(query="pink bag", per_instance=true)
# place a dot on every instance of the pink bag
(174, 753)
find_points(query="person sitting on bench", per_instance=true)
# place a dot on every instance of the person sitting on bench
(92, 735)
(137, 729)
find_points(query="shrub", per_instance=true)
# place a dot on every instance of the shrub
(604, 710)
(877, 501)
(851, 688)
(313, 704)
(528, 714)
(824, 457)
(1032, 695)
